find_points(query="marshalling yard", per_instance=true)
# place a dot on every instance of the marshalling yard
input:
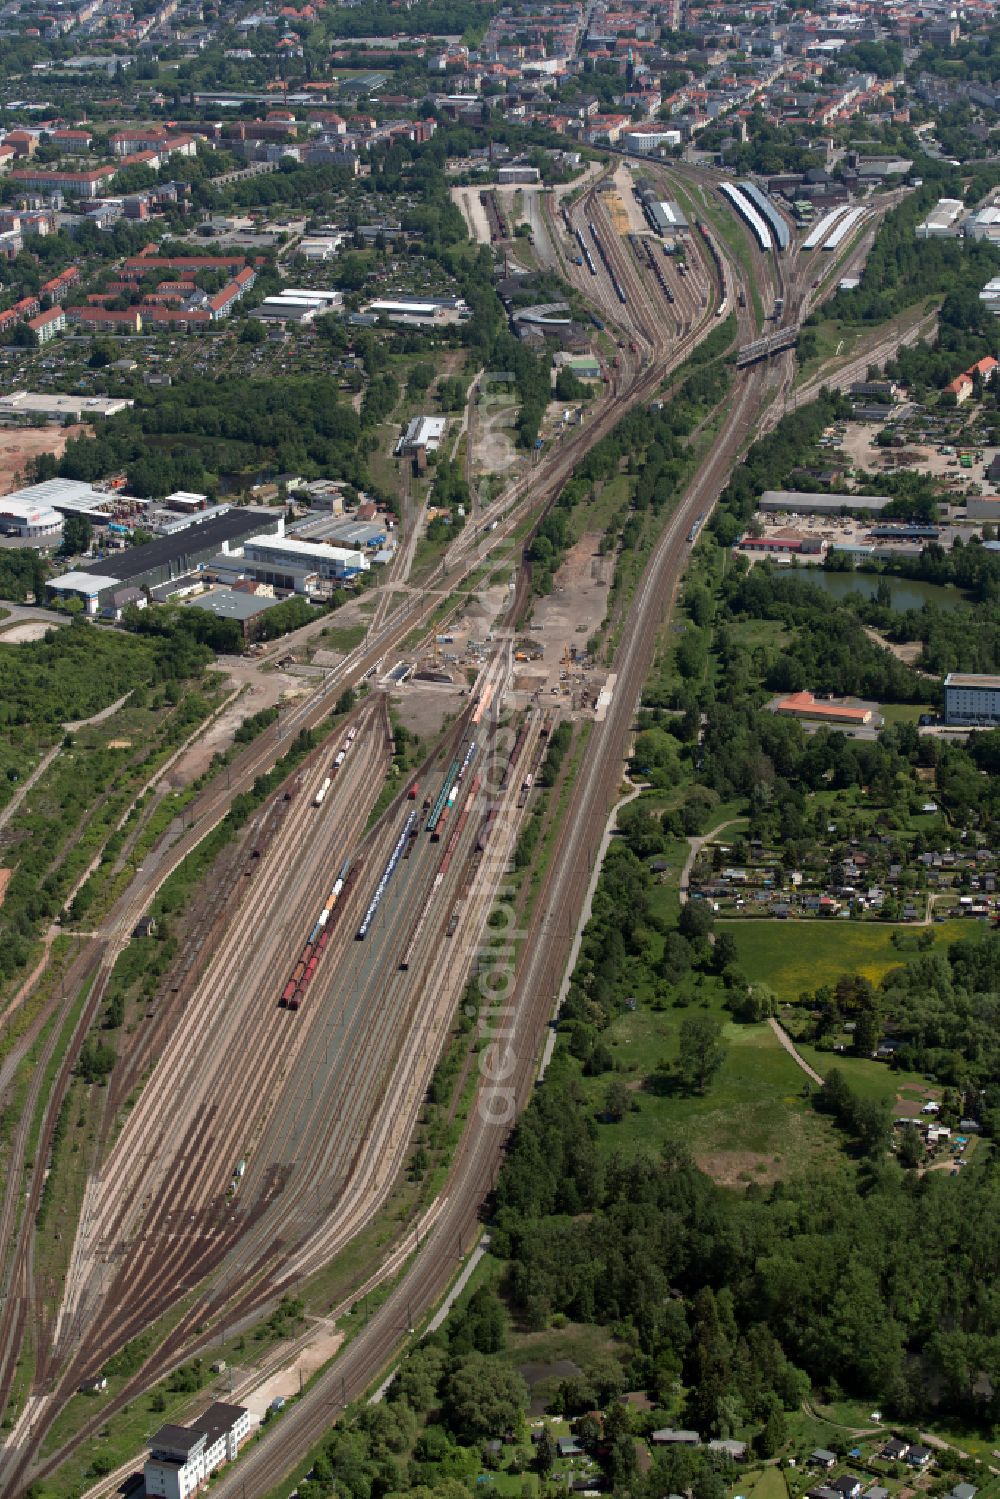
(323, 962)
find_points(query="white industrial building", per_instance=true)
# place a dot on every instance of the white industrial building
(984, 225)
(87, 587)
(417, 311)
(423, 432)
(942, 219)
(26, 405)
(649, 140)
(183, 1458)
(971, 698)
(321, 246)
(329, 562)
(29, 520)
(990, 294)
(68, 496)
(296, 305)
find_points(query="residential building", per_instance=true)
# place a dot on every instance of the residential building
(47, 324)
(88, 184)
(105, 319)
(58, 287)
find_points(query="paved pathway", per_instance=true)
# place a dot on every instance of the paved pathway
(696, 846)
(796, 1056)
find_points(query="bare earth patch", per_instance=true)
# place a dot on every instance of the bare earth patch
(20, 444)
(738, 1168)
(5, 878)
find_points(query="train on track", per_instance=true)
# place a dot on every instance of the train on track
(453, 794)
(387, 874)
(494, 217)
(720, 268)
(335, 765)
(584, 251)
(618, 289)
(699, 521)
(656, 266)
(304, 971)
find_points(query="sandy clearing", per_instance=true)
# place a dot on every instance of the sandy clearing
(31, 629)
(265, 689)
(19, 444)
(288, 1382)
(623, 183)
(473, 213)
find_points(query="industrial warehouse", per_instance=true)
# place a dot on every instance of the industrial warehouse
(164, 559)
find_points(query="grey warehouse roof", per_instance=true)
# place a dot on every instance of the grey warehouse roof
(205, 536)
(793, 499)
(225, 603)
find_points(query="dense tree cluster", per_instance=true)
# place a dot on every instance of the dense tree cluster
(880, 1288)
(189, 434)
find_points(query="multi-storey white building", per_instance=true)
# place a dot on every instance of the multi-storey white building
(971, 698)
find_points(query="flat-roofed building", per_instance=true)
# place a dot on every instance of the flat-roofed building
(329, 562)
(67, 496)
(185, 550)
(423, 432)
(972, 698)
(29, 520)
(244, 608)
(89, 588)
(942, 220)
(28, 406)
(790, 501)
(183, 1458)
(984, 225)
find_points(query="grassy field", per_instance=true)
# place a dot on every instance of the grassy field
(753, 1124)
(765, 1483)
(797, 956)
(341, 637)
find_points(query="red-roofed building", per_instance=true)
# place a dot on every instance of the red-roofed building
(180, 319)
(47, 324)
(76, 184)
(24, 142)
(804, 705)
(74, 141)
(984, 368)
(58, 287)
(960, 388)
(106, 320)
